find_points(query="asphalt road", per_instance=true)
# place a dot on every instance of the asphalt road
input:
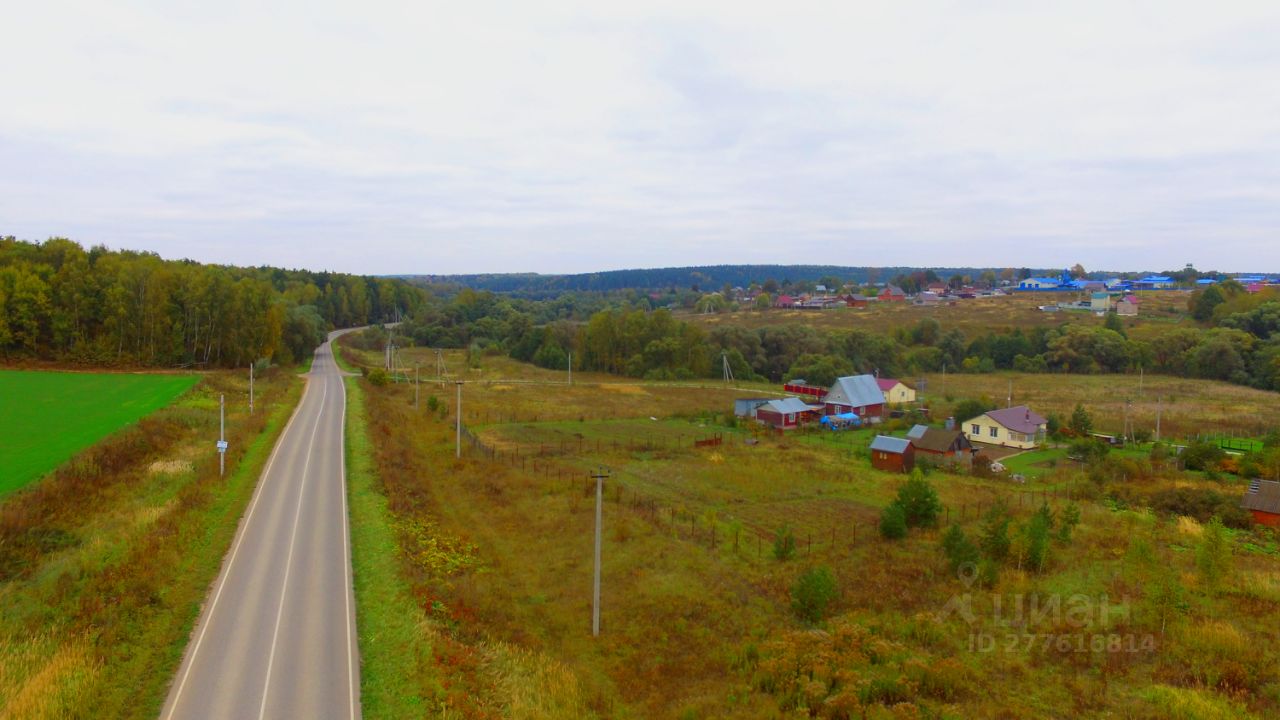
(276, 637)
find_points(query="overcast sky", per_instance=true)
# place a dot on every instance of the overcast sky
(437, 137)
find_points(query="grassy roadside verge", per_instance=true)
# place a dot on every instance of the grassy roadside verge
(104, 565)
(395, 641)
(211, 532)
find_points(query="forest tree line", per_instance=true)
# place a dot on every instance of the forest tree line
(1236, 338)
(98, 306)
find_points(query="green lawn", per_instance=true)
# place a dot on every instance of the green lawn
(47, 417)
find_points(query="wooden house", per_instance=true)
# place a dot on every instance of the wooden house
(895, 391)
(787, 413)
(892, 454)
(1011, 427)
(1263, 502)
(859, 394)
(892, 293)
(1128, 306)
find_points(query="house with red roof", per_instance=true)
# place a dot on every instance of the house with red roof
(895, 391)
(785, 301)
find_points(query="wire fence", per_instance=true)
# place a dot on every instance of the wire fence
(641, 495)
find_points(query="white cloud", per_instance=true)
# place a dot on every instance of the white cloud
(438, 137)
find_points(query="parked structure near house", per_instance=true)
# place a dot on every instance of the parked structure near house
(892, 293)
(1017, 427)
(746, 407)
(787, 413)
(1128, 306)
(857, 394)
(800, 387)
(1100, 301)
(1263, 502)
(949, 445)
(892, 454)
(895, 391)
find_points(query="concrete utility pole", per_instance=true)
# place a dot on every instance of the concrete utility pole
(415, 386)
(595, 590)
(570, 367)
(251, 388)
(459, 444)
(222, 435)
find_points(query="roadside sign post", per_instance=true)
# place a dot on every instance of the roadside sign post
(222, 435)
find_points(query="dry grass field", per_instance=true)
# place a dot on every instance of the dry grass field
(697, 619)
(1186, 407)
(1160, 310)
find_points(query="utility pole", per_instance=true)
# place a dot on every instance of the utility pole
(1009, 399)
(1158, 403)
(570, 367)
(251, 388)
(458, 452)
(415, 387)
(728, 371)
(222, 435)
(595, 589)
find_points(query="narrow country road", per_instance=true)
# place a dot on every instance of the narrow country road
(276, 637)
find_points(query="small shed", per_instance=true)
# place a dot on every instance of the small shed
(1263, 502)
(892, 454)
(950, 445)
(746, 407)
(1128, 306)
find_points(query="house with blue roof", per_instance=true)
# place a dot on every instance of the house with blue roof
(1154, 282)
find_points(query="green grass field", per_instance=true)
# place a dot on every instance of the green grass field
(50, 416)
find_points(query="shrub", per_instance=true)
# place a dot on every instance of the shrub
(995, 532)
(377, 376)
(784, 543)
(1089, 450)
(812, 592)
(1081, 422)
(1070, 518)
(958, 549)
(1202, 456)
(919, 501)
(893, 522)
(1213, 556)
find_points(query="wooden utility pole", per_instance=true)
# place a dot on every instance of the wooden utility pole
(595, 589)
(458, 453)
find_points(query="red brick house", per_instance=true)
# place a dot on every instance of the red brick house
(1263, 502)
(856, 301)
(892, 454)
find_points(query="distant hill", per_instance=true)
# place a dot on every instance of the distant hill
(704, 277)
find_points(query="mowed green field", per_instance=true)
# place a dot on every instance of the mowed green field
(46, 417)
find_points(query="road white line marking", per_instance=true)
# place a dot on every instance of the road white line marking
(244, 530)
(288, 563)
(346, 546)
